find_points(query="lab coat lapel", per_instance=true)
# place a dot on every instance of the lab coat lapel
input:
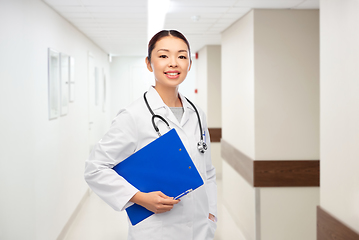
(160, 108)
(155, 100)
(170, 116)
(188, 110)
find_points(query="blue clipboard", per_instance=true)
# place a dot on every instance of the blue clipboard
(162, 165)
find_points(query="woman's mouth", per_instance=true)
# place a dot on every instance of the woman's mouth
(172, 75)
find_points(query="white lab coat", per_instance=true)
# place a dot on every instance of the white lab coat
(131, 130)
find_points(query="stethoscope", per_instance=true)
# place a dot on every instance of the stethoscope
(201, 145)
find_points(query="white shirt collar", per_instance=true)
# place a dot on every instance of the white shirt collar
(155, 101)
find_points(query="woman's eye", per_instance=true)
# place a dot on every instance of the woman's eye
(163, 56)
(182, 57)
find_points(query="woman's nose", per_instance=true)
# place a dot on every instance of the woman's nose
(173, 62)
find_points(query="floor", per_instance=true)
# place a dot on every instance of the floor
(97, 221)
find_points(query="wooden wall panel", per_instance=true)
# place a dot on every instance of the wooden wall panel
(216, 134)
(275, 173)
(329, 228)
(237, 160)
(286, 173)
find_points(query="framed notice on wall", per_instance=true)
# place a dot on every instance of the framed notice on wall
(97, 85)
(104, 91)
(53, 83)
(64, 86)
(72, 80)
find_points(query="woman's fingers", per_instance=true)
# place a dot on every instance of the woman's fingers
(156, 202)
(162, 194)
(170, 201)
(165, 203)
(163, 208)
(167, 199)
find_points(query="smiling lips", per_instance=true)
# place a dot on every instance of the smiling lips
(172, 74)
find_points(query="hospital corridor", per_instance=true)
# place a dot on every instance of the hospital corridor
(179, 120)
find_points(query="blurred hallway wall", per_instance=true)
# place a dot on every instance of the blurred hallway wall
(42, 160)
(339, 97)
(209, 97)
(270, 118)
(129, 80)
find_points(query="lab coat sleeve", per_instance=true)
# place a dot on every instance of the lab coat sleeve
(211, 185)
(115, 146)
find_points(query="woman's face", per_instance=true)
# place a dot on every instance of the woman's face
(170, 61)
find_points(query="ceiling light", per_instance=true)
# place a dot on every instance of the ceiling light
(157, 10)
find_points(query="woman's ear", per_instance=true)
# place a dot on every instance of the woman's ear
(190, 65)
(149, 67)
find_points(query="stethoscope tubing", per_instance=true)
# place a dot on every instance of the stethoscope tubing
(202, 146)
(199, 119)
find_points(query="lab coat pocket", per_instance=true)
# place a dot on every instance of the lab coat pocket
(212, 226)
(148, 231)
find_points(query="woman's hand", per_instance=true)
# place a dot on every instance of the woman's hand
(212, 217)
(156, 202)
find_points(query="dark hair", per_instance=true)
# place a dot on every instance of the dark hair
(164, 33)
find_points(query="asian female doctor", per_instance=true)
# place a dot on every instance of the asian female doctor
(194, 215)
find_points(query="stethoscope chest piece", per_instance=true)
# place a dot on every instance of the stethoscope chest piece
(202, 146)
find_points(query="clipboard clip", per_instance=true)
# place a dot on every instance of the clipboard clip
(183, 194)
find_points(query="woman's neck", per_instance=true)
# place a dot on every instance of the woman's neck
(169, 95)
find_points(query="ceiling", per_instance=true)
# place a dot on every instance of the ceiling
(119, 27)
